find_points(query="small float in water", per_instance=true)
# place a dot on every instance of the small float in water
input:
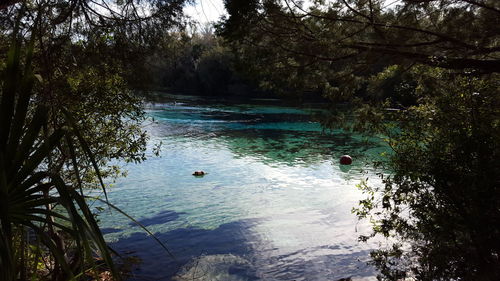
(345, 160)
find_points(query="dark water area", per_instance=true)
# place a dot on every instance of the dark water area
(274, 205)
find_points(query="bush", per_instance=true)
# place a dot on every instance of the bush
(441, 199)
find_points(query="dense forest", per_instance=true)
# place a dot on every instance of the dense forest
(423, 73)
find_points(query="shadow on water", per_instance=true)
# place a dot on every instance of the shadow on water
(229, 252)
(187, 244)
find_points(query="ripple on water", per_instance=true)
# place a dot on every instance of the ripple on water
(275, 204)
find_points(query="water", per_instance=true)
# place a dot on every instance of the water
(275, 204)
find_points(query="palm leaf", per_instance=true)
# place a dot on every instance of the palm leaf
(74, 163)
(92, 228)
(9, 92)
(38, 156)
(22, 103)
(54, 250)
(30, 137)
(86, 148)
(25, 200)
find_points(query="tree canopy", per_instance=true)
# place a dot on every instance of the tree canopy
(332, 41)
(84, 55)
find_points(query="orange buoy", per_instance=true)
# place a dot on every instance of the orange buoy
(345, 160)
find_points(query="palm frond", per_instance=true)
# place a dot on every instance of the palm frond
(29, 188)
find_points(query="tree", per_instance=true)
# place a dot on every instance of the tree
(194, 61)
(84, 54)
(435, 64)
(440, 199)
(66, 111)
(334, 42)
(28, 181)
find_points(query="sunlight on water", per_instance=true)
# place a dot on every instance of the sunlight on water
(275, 205)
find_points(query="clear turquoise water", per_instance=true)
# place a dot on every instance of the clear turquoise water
(275, 204)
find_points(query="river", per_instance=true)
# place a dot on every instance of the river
(274, 204)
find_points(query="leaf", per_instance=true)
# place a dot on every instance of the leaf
(54, 250)
(25, 92)
(39, 77)
(74, 163)
(30, 136)
(38, 156)
(89, 226)
(9, 92)
(87, 149)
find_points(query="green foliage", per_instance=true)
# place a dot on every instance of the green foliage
(440, 201)
(108, 113)
(67, 112)
(31, 187)
(214, 70)
(195, 62)
(332, 47)
(83, 58)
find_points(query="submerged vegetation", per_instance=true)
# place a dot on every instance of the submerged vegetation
(423, 73)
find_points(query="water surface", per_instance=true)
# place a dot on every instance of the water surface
(275, 204)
